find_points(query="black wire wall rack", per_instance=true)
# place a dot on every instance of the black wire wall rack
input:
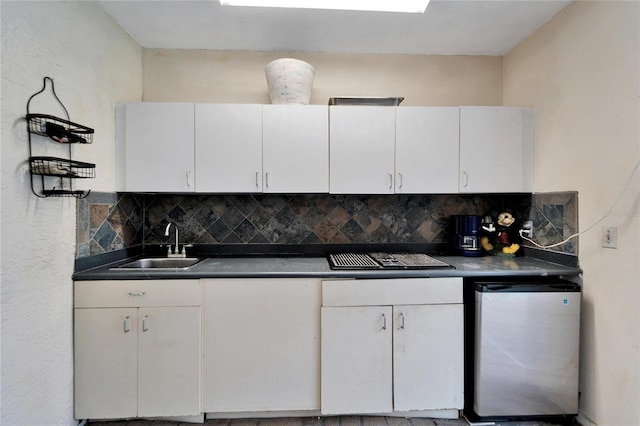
(61, 171)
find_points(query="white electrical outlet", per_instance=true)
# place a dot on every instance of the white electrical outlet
(610, 236)
(527, 228)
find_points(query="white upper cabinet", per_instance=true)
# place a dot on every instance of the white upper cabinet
(346, 149)
(496, 149)
(228, 147)
(427, 150)
(362, 146)
(295, 148)
(155, 150)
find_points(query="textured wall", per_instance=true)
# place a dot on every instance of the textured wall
(94, 64)
(580, 72)
(214, 76)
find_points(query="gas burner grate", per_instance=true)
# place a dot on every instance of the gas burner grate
(353, 260)
(408, 260)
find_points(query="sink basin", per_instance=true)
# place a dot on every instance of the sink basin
(161, 263)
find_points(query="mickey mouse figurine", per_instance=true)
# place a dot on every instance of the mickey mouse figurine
(504, 239)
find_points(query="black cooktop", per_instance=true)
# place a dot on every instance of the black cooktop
(381, 260)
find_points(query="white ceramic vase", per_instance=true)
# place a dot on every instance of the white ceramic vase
(289, 81)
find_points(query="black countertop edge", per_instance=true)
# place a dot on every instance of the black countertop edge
(564, 259)
(157, 275)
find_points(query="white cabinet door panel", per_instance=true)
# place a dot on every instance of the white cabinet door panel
(362, 146)
(169, 361)
(295, 148)
(105, 363)
(427, 150)
(261, 345)
(496, 149)
(228, 147)
(356, 360)
(428, 357)
(159, 147)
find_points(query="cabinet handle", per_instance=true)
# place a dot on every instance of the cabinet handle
(257, 177)
(126, 324)
(266, 179)
(144, 323)
(142, 293)
(384, 322)
(465, 174)
(401, 321)
(400, 174)
(390, 180)
(189, 178)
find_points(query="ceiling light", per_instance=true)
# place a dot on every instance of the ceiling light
(409, 6)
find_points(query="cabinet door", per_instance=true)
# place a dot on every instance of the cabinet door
(159, 147)
(427, 150)
(261, 345)
(295, 148)
(496, 149)
(228, 147)
(169, 361)
(356, 360)
(361, 140)
(428, 357)
(105, 363)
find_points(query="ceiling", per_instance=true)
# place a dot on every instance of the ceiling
(448, 27)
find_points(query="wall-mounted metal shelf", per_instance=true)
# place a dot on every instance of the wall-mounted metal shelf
(61, 131)
(62, 171)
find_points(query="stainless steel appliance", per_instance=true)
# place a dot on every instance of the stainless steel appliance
(384, 261)
(526, 349)
(466, 235)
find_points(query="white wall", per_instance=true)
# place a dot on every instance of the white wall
(581, 73)
(94, 64)
(217, 76)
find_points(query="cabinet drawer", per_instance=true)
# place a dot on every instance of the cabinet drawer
(106, 294)
(405, 291)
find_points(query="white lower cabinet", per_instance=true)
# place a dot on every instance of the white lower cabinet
(141, 359)
(428, 357)
(168, 348)
(356, 360)
(401, 352)
(261, 345)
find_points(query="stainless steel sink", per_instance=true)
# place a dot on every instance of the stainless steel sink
(161, 263)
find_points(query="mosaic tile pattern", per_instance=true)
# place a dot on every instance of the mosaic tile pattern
(291, 219)
(108, 222)
(555, 217)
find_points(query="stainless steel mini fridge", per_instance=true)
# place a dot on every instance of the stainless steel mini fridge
(526, 349)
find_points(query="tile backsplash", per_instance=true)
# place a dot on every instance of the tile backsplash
(109, 221)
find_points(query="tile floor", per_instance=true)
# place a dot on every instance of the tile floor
(315, 421)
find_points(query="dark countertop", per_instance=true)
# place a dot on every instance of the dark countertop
(318, 267)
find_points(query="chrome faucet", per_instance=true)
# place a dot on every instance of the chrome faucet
(176, 251)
